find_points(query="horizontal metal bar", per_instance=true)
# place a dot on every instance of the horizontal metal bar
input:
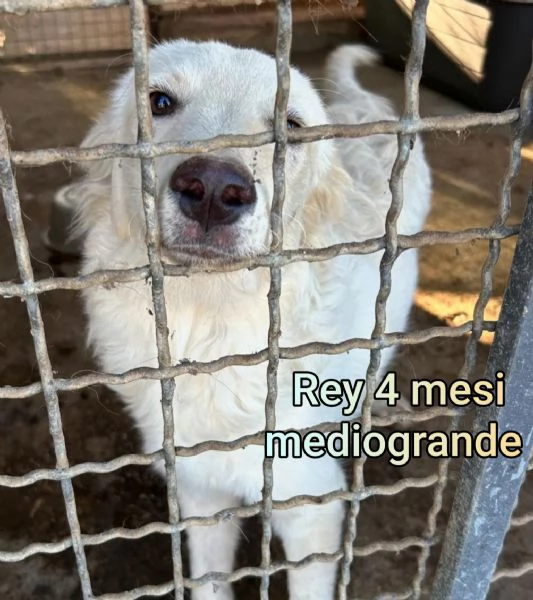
(22, 7)
(513, 573)
(231, 513)
(195, 368)
(156, 591)
(232, 577)
(123, 533)
(286, 257)
(522, 520)
(126, 460)
(405, 595)
(457, 123)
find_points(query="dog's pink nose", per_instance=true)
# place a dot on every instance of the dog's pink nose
(213, 191)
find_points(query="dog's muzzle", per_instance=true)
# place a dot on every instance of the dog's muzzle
(213, 191)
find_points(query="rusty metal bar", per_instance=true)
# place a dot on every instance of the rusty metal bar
(281, 259)
(23, 257)
(522, 520)
(17, 481)
(454, 124)
(194, 368)
(139, 39)
(21, 7)
(413, 75)
(283, 49)
(513, 573)
(236, 512)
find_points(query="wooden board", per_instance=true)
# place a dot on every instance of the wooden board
(459, 28)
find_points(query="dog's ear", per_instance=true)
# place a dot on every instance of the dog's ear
(339, 210)
(326, 207)
(112, 181)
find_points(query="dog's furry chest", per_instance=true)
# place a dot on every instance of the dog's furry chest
(205, 324)
(219, 405)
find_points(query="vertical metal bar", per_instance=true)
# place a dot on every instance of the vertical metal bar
(283, 48)
(149, 187)
(477, 325)
(22, 251)
(465, 373)
(413, 74)
(488, 488)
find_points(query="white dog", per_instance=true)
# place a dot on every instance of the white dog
(215, 207)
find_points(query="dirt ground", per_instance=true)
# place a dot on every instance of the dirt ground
(55, 108)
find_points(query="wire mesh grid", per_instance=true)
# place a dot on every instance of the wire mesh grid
(393, 244)
(68, 32)
(82, 31)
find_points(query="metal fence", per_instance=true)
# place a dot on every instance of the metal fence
(91, 33)
(68, 32)
(477, 524)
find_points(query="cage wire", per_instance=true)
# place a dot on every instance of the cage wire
(406, 129)
(69, 32)
(90, 32)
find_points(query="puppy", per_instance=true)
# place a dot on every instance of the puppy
(213, 208)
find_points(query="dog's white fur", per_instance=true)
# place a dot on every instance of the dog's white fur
(336, 191)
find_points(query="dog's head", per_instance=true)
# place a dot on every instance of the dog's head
(213, 205)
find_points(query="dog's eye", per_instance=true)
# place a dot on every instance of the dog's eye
(293, 121)
(162, 104)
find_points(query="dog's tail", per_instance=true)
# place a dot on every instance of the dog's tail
(341, 64)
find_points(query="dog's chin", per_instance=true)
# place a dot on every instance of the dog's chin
(190, 245)
(203, 254)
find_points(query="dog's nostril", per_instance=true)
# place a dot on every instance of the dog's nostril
(235, 195)
(193, 188)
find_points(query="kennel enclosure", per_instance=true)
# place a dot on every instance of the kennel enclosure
(468, 561)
